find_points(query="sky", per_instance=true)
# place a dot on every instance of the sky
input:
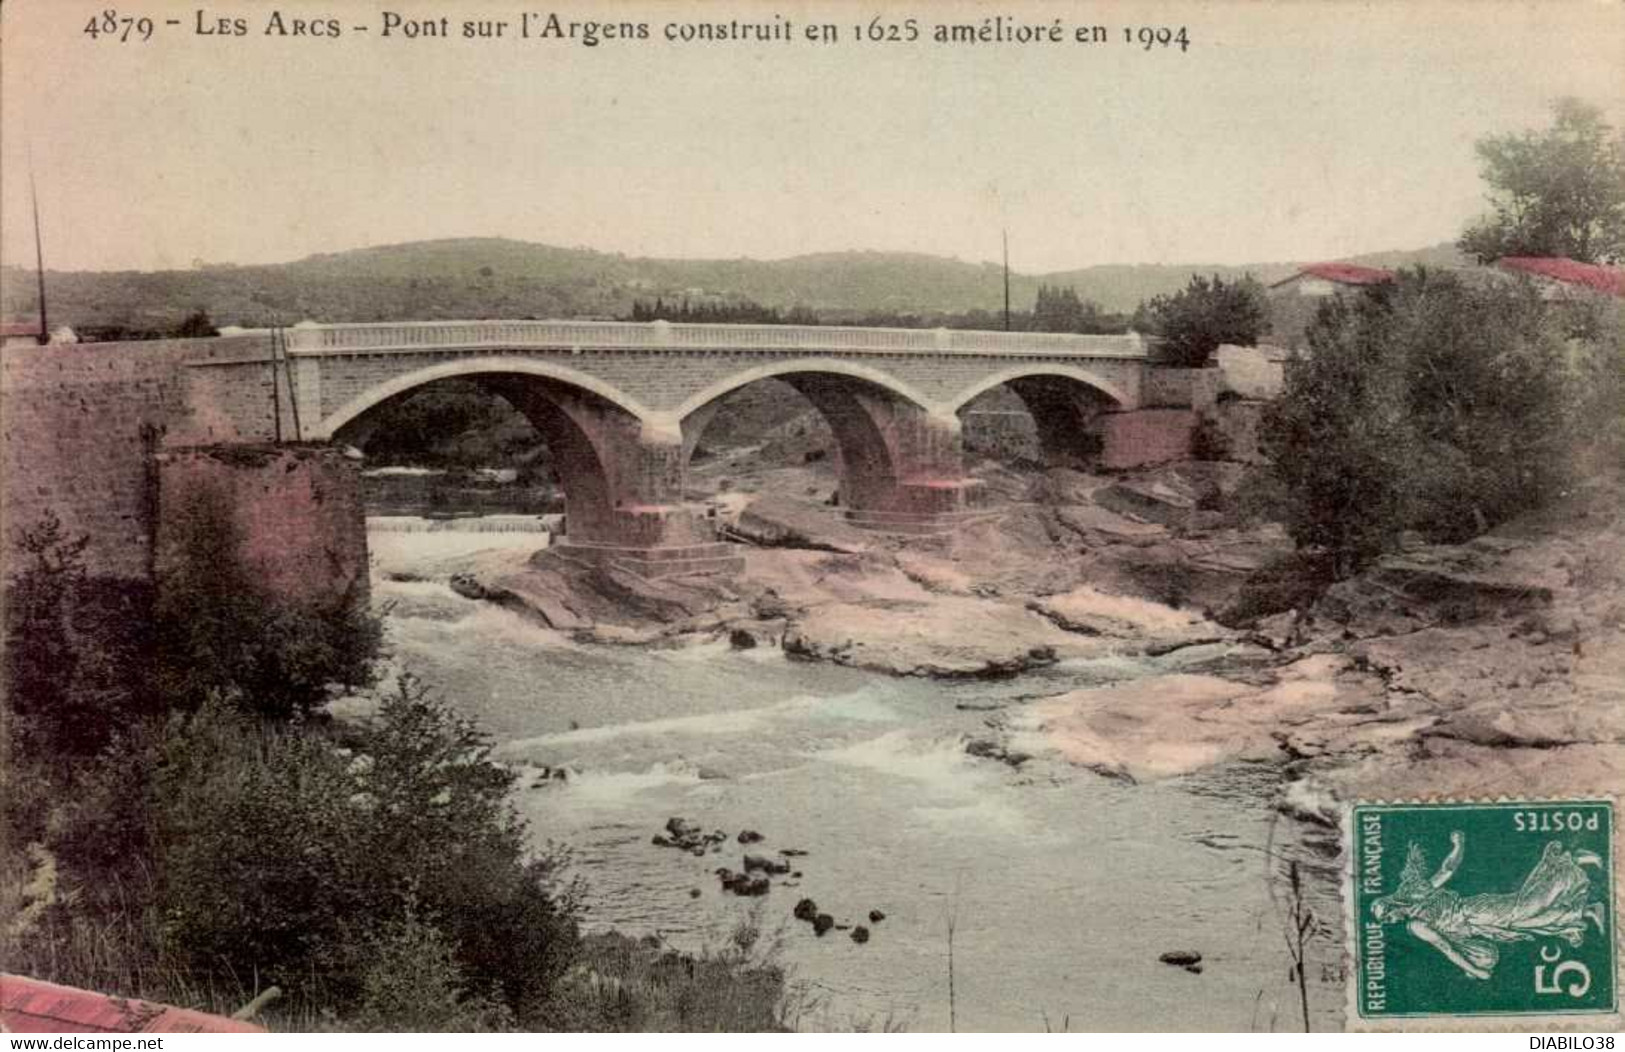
(1286, 131)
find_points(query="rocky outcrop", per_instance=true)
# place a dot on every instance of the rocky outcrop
(773, 521)
(1432, 586)
(1502, 661)
(1139, 623)
(950, 637)
(1169, 725)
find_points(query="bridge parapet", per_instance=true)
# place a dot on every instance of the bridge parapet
(406, 337)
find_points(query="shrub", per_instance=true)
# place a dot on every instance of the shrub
(285, 855)
(412, 983)
(1208, 312)
(623, 985)
(76, 648)
(1427, 404)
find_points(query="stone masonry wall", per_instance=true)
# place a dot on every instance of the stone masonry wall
(1144, 437)
(293, 513)
(77, 425)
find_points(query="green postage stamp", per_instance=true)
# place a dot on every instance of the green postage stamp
(1497, 910)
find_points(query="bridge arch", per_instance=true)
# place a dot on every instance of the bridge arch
(474, 368)
(1064, 403)
(595, 436)
(780, 370)
(888, 437)
(1038, 371)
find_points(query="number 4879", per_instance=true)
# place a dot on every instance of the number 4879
(109, 24)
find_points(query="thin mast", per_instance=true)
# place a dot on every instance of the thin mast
(39, 259)
(1006, 280)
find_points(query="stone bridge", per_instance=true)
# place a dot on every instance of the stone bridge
(623, 405)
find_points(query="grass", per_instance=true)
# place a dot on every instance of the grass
(623, 984)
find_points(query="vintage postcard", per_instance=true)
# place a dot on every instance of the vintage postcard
(706, 515)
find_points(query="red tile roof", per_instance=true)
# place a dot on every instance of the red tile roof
(32, 1006)
(1343, 274)
(1610, 280)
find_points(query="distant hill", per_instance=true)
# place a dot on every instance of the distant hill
(497, 277)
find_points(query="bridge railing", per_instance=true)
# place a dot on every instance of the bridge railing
(393, 337)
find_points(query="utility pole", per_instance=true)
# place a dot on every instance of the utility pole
(1007, 280)
(39, 260)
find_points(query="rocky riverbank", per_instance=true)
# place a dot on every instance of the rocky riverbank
(1489, 667)
(1000, 597)
(1492, 668)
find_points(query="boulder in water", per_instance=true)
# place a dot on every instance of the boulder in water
(860, 934)
(806, 910)
(764, 864)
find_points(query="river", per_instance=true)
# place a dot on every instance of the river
(1062, 887)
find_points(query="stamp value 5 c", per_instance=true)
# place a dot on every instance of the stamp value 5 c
(1482, 909)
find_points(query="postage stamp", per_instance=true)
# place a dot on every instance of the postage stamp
(1498, 910)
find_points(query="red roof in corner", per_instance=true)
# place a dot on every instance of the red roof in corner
(1342, 274)
(33, 1006)
(1610, 280)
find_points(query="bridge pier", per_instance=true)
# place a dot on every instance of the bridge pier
(643, 525)
(923, 487)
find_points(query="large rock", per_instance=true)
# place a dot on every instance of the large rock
(1148, 500)
(1170, 725)
(949, 636)
(773, 521)
(1148, 625)
(1204, 573)
(1433, 585)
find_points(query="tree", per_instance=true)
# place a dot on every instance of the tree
(1427, 404)
(1060, 309)
(1206, 313)
(196, 324)
(1557, 192)
(75, 647)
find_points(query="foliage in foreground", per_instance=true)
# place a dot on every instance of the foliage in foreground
(1437, 405)
(219, 632)
(252, 853)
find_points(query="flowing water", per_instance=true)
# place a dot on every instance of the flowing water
(1062, 887)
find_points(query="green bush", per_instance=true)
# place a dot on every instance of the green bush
(285, 855)
(411, 982)
(76, 649)
(1429, 404)
(641, 985)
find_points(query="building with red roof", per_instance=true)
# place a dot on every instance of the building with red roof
(1559, 277)
(33, 1006)
(1323, 279)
